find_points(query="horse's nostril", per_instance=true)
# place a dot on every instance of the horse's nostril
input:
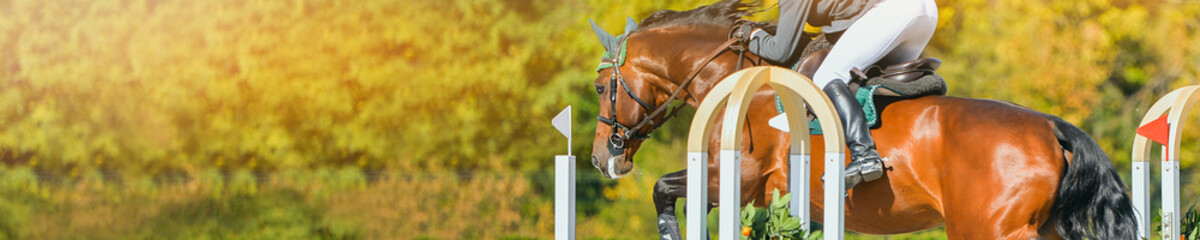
(595, 161)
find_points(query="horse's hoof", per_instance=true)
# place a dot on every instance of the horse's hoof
(668, 228)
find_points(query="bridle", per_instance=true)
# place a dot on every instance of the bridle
(616, 141)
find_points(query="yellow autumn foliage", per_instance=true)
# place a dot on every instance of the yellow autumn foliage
(200, 88)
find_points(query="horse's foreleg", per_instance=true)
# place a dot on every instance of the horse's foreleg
(667, 190)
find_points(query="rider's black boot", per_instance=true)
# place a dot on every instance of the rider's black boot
(865, 163)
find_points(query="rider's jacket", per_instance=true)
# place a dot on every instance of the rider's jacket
(834, 15)
(830, 15)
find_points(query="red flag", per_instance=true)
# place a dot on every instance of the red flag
(1156, 130)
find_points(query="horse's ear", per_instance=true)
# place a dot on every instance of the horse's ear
(606, 39)
(630, 25)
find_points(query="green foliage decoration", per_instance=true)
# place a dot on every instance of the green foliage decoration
(1189, 223)
(775, 222)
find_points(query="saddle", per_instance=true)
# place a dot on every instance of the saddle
(914, 78)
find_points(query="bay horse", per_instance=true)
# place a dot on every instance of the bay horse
(985, 169)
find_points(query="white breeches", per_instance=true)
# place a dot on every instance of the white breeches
(893, 31)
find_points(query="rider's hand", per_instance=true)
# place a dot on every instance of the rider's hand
(744, 31)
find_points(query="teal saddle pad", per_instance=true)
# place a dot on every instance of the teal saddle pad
(865, 96)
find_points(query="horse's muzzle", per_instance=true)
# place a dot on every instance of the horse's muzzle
(609, 167)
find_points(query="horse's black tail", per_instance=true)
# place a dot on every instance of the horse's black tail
(1092, 202)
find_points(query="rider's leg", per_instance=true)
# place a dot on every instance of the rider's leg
(865, 163)
(892, 31)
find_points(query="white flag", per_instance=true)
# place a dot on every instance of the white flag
(562, 122)
(779, 122)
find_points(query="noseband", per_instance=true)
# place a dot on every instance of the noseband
(616, 141)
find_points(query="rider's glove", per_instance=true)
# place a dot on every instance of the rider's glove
(744, 31)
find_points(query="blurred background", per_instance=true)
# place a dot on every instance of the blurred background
(403, 119)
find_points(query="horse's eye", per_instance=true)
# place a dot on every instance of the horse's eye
(599, 89)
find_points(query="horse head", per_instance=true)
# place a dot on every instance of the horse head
(622, 93)
(644, 69)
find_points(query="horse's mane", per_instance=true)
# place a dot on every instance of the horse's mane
(723, 13)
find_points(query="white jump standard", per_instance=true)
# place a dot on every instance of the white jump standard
(1178, 103)
(733, 93)
(564, 181)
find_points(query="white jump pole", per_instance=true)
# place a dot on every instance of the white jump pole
(564, 182)
(1175, 105)
(697, 163)
(564, 197)
(732, 93)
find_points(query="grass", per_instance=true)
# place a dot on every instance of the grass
(320, 204)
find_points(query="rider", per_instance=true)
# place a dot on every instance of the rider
(873, 31)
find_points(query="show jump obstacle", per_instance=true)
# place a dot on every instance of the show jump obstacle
(1170, 111)
(734, 94)
(564, 181)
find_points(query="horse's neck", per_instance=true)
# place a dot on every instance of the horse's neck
(693, 39)
(718, 69)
